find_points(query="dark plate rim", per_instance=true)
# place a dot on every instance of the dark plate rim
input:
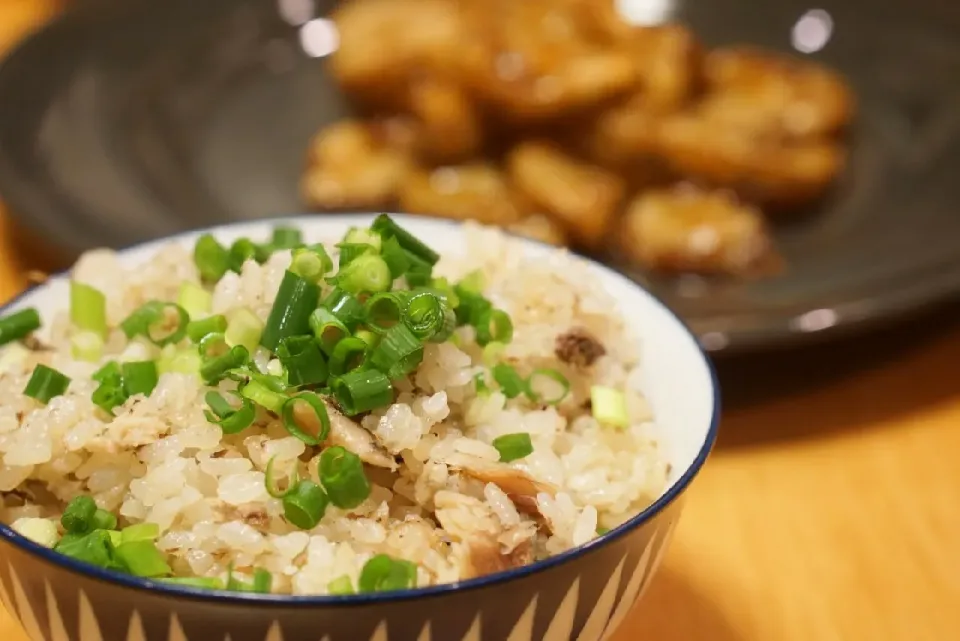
(166, 589)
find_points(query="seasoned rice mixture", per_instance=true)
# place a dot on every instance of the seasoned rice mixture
(291, 443)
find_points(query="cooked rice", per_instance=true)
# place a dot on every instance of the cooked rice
(159, 460)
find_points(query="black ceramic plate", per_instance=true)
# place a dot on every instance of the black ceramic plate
(127, 120)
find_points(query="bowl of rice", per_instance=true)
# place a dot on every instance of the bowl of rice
(341, 427)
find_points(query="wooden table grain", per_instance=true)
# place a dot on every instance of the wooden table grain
(827, 514)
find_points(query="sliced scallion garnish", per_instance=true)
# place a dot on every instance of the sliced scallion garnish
(302, 361)
(46, 383)
(77, 517)
(88, 308)
(161, 323)
(232, 420)
(286, 238)
(305, 505)
(340, 586)
(142, 558)
(215, 369)
(243, 328)
(382, 573)
(396, 258)
(385, 310)
(494, 325)
(425, 314)
(399, 352)
(609, 406)
(139, 377)
(341, 473)
(195, 300)
(511, 383)
(198, 329)
(365, 273)
(327, 328)
(86, 346)
(387, 228)
(319, 419)
(18, 325)
(290, 314)
(361, 391)
(212, 258)
(272, 482)
(348, 355)
(547, 385)
(513, 446)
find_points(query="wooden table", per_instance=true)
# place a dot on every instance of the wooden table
(826, 514)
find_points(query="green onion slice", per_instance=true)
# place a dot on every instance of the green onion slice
(272, 484)
(398, 354)
(494, 325)
(142, 558)
(382, 573)
(88, 308)
(286, 238)
(232, 420)
(609, 406)
(349, 252)
(328, 329)
(341, 473)
(202, 582)
(361, 391)
(242, 250)
(513, 446)
(302, 360)
(348, 355)
(162, 323)
(243, 328)
(365, 273)
(212, 258)
(361, 236)
(215, 369)
(317, 418)
(547, 385)
(46, 383)
(199, 329)
(388, 228)
(511, 383)
(347, 308)
(425, 314)
(195, 300)
(290, 314)
(395, 257)
(78, 516)
(341, 586)
(385, 310)
(18, 325)
(140, 532)
(305, 505)
(264, 396)
(139, 377)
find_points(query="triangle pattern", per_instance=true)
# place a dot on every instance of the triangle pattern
(474, 633)
(632, 592)
(135, 631)
(58, 631)
(598, 618)
(523, 630)
(561, 627)
(176, 630)
(89, 626)
(425, 634)
(664, 544)
(274, 633)
(5, 596)
(380, 634)
(28, 619)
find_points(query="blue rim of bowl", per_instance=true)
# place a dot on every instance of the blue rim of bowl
(162, 588)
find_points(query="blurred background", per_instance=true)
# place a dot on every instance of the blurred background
(783, 173)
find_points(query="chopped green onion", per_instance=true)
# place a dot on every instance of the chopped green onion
(349, 252)
(94, 547)
(361, 391)
(492, 352)
(360, 236)
(195, 300)
(420, 273)
(480, 385)
(290, 314)
(212, 258)
(86, 346)
(242, 250)
(602, 530)
(263, 396)
(388, 228)
(309, 265)
(273, 487)
(385, 310)
(140, 532)
(302, 360)
(88, 308)
(244, 328)
(262, 581)
(103, 520)
(513, 446)
(348, 355)
(216, 368)
(78, 516)
(395, 257)
(341, 586)
(328, 329)
(198, 329)
(319, 419)
(203, 582)
(382, 573)
(116, 538)
(368, 337)
(346, 307)
(110, 393)
(230, 419)
(494, 325)
(305, 505)
(398, 353)
(511, 383)
(139, 377)
(142, 558)
(286, 238)
(609, 406)
(366, 273)
(449, 293)
(425, 315)
(46, 383)
(341, 473)
(547, 386)
(472, 307)
(18, 325)
(214, 345)
(155, 321)
(473, 283)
